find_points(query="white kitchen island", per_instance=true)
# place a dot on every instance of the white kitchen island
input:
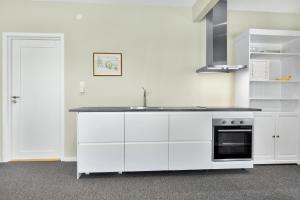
(129, 140)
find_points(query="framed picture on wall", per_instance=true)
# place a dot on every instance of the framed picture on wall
(107, 64)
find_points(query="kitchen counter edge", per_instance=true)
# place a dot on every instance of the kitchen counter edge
(166, 109)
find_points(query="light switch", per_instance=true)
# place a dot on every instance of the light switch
(82, 87)
(79, 16)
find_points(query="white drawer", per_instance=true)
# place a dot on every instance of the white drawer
(146, 127)
(100, 158)
(100, 127)
(146, 156)
(190, 155)
(190, 126)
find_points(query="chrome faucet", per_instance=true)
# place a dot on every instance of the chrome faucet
(144, 97)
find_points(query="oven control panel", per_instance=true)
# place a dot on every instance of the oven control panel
(233, 122)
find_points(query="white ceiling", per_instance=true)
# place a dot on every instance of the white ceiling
(286, 6)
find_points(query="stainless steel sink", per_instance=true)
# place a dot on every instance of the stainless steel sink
(200, 107)
(137, 107)
(145, 108)
(165, 108)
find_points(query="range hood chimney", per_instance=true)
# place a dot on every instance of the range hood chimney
(216, 41)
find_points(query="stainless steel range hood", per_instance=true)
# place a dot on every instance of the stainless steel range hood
(216, 41)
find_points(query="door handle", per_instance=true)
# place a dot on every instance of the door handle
(14, 99)
(234, 130)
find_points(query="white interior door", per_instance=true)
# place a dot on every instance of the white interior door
(36, 99)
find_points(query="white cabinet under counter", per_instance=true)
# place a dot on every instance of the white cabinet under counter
(276, 138)
(190, 126)
(146, 127)
(288, 137)
(146, 156)
(190, 144)
(103, 127)
(105, 157)
(190, 155)
(143, 141)
(100, 142)
(146, 141)
(121, 140)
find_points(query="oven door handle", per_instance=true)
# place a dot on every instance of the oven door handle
(234, 130)
(234, 144)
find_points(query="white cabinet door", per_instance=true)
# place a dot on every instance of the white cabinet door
(100, 158)
(146, 127)
(190, 140)
(190, 155)
(264, 141)
(146, 156)
(190, 126)
(287, 137)
(146, 141)
(100, 127)
(259, 70)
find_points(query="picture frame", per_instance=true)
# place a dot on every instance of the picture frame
(107, 64)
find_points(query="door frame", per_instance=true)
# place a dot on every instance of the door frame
(7, 38)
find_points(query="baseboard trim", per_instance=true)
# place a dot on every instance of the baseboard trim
(69, 159)
(65, 159)
(274, 162)
(36, 160)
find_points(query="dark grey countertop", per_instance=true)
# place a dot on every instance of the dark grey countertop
(162, 109)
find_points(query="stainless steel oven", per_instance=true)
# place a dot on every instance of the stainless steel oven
(232, 139)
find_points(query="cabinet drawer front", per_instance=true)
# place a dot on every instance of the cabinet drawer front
(190, 155)
(146, 127)
(146, 156)
(100, 127)
(187, 126)
(100, 158)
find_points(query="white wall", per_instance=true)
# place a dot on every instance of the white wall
(161, 47)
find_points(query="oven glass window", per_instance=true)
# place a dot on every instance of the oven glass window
(233, 142)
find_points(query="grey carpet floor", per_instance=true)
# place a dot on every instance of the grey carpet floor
(57, 181)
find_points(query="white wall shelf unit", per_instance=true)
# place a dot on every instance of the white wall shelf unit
(274, 99)
(274, 81)
(271, 55)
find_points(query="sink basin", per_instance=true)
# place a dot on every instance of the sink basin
(145, 108)
(201, 107)
(137, 108)
(164, 108)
